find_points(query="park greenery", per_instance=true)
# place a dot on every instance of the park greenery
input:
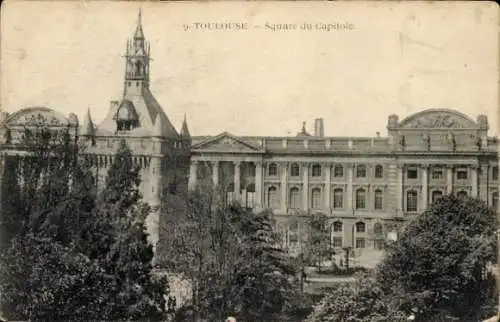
(72, 252)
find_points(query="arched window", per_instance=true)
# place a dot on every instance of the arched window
(360, 199)
(337, 227)
(360, 227)
(294, 170)
(361, 171)
(379, 171)
(316, 198)
(494, 200)
(338, 198)
(338, 171)
(379, 199)
(316, 170)
(138, 67)
(436, 194)
(294, 198)
(462, 194)
(272, 198)
(272, 170)
(411, 201)
(378, 229)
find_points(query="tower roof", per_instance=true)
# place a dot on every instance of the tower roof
(88, 125)
(184, 129)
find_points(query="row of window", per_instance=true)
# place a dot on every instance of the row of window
(360, 202)
(295, 198)
(360, 243)
(437, 172)
(338, 171)
(360, 227)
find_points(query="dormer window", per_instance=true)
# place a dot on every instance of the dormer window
(126, 118)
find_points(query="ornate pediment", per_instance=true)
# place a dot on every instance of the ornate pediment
(37, 116)
(438, 119)
(226, 143)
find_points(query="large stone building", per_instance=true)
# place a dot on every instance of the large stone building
(136, 117)
(366, 186)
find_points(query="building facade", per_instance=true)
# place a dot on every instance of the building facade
(161, 152)
(368, 187)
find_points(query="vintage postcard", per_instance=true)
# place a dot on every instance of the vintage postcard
(277, 150)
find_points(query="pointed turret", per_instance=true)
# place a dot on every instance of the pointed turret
(159, 130)
(88, 125)
(184, 129)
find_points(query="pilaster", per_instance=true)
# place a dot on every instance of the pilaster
(474, 180)
(349, 192)
(450, 169)
(399, 189)
(284, 185)
(425, 186)
(305, 190)
(258, 185)
(328, 186)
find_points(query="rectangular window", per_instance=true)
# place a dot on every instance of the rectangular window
(338, 199)
(412, 173)
(494, 173)
(250, 200)
(437, 174)
(360, 243)
(316, 199)
(338, 171)
(462, 174)
(379, 244)
(337, 242)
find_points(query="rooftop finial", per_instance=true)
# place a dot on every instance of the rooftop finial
(139, 20)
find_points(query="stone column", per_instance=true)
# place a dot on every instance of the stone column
(305, 190)
(474, 181)
(483, 183)
(349, 192)
(258, 185)
(425, 186)
(215, 172)
(399, 189)
(284, 185)
(237, 180)
(328, 186)
(449, 179)
(193, 168)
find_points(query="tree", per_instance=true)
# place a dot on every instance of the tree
(439, 263)
(318, 242)
(228, 254)
(73, 257)
(265, 273)
(120, 245)
(362, 301)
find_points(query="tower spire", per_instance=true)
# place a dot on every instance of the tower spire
(137, 61)
(138, 30)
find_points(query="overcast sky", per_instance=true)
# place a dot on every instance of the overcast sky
(399, 58)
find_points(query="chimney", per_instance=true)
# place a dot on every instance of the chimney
(318, 128)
